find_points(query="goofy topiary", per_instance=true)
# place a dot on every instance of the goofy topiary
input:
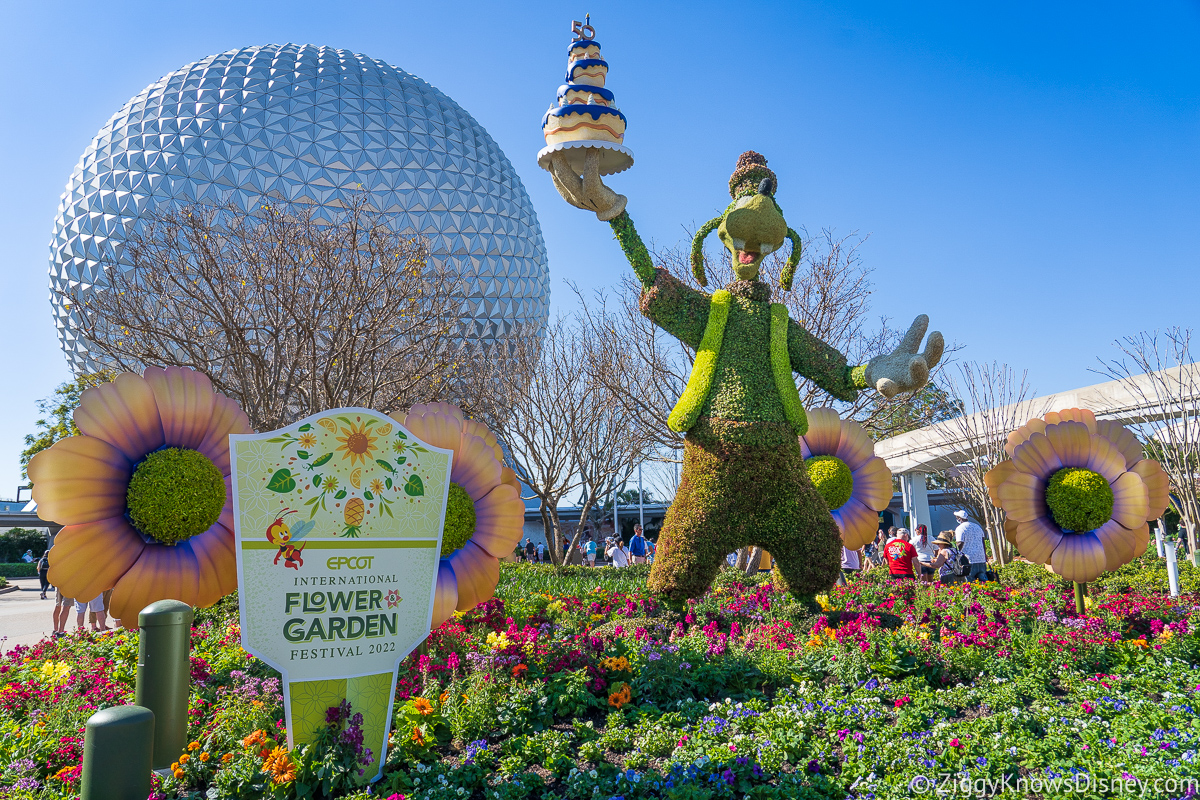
(744, 481)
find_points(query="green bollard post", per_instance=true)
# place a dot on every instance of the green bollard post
(117, 744)
(164, 675)
(1080, 592)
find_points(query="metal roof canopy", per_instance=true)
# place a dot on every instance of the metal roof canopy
(942, 445)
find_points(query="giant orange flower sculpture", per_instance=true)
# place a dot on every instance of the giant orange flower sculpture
(143, 493)
(484, 513)
(841, 462)
(1078, 493)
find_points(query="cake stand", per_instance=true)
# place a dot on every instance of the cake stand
(614, 158)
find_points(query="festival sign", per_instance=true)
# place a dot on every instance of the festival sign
(338, 523)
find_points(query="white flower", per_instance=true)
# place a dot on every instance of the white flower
(591, 773)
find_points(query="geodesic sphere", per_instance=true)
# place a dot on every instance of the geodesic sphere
(314, 125)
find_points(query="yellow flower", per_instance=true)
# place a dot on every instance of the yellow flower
(498, 641)
(330, 484)
(377, 486)
(357, 443)
(55, 672)
(823, 601)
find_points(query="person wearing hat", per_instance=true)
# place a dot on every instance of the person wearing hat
(902, 561)
(969, 538)
(946, 560)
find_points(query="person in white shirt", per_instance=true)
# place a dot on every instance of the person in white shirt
(926, 552)
(969, 537)
(618, 553)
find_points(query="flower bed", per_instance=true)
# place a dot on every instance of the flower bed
(578, 685)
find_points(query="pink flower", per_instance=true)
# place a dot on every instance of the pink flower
(1088, 708)
(903, 701)
(955, 743)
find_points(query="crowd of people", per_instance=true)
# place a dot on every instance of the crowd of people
(612, 550)
(953, 556)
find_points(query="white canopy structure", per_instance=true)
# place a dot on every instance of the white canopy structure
(934, 448)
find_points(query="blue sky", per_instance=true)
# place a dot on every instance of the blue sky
(1028, 173)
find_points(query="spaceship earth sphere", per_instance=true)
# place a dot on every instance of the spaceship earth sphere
(311, 125)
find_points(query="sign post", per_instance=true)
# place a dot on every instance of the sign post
(338, 522)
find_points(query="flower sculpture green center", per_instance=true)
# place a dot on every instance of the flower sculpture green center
(1080, 500)
(460, 520)
(831, 478)
(175, 494)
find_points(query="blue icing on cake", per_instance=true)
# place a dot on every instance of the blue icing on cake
(599, 91)
(581, 63)
(595, 112)
(582, 43)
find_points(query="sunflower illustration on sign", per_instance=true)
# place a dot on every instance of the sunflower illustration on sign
(342, 585)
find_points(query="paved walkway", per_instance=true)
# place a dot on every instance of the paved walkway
(25, 618)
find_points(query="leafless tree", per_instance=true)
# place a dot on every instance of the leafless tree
(566, 433)
(286, 313)
(545, 387)
(996, 401)
(1160, 371)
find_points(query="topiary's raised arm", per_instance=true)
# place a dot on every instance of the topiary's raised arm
(635, 249)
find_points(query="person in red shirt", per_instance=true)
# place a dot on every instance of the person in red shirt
(902, 559)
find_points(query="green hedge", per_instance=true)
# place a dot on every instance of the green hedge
(18, 570)
(1143, 575)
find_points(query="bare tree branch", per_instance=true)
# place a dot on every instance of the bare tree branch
(287, 314)
(1160, 371)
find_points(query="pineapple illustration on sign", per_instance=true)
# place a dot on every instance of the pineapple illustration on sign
(356, 508)
(368, 500)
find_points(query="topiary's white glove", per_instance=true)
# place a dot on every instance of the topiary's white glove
(587, 191)
(905, 370)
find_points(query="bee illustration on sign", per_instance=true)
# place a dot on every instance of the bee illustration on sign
(285, 537)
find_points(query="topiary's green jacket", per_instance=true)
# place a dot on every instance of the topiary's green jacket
(744, 389)
(744, 481)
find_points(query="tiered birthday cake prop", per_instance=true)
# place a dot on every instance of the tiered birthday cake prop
(584, 117)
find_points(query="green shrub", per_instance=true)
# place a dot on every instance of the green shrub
(1026, 574)
(19, 570)
(1148, 574)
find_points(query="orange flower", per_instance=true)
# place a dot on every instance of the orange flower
(417, 737)
(443, 697)
(183, 759)
(257, 737)
(204, 757)
(179, 774)
(422, 706)
(621, 696)
(519, 670)
(194, 746)
(225, 759)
